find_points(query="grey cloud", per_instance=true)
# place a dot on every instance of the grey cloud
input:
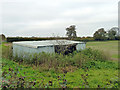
(26, 12)
(44, 17)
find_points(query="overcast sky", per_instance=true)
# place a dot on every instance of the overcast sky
(44, 17)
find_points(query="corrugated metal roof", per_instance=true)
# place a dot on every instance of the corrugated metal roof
(37, 44)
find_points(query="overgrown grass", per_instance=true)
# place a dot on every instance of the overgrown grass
(86, 69)
(108, 47)
(48, 61)
(6, 50)
(94, 74)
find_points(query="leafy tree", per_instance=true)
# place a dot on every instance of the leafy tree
(114, 33)
(71, 33)
(111, 34)
(116, 29)
(100, 34)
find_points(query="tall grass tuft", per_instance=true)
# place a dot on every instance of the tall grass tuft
(55, 61)
(6, 52)
(96, 55)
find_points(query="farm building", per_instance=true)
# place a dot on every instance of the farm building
(47, 46)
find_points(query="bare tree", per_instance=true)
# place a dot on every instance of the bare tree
(63, 47)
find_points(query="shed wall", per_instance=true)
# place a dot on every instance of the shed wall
(17, 49)
(80, 46)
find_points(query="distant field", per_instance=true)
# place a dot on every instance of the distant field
(109, 47)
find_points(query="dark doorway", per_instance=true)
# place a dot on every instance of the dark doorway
(65, 49)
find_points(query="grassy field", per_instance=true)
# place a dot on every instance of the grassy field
(94, 74)
(109, 47)
(104, 75)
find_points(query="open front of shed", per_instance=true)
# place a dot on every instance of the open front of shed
(47, 46)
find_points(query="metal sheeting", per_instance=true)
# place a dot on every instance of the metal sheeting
(22, 50)
(38, 44)
(48, 46)
(81, 46)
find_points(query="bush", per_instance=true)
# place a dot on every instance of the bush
(45, 66)
(54, 60)
(6, 52)
(12, 39)
(95, 54)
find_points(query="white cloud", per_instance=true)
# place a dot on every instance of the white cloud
(78, 12)
(30, 17)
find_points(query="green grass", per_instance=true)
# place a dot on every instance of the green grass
(93, 74)
(109, 47)
(104, 74)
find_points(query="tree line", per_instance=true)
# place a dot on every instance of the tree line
(99, 35)
(112, 34)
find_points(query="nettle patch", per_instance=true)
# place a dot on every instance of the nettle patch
(14, 76)
(85, 69)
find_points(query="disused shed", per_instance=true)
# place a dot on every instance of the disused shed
(47, 46)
